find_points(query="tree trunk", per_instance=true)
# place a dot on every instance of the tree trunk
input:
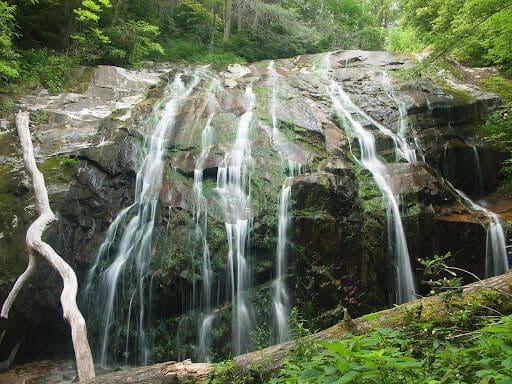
(36, 245)
(495, 292)
(228, 16)
(239, 15)
(212, 27)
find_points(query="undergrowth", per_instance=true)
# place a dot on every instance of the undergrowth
(471, 344)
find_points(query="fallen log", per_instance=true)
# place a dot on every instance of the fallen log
(495, 292)
(36, 246)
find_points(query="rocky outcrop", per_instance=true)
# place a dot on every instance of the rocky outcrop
(86, 145)
(90, 146)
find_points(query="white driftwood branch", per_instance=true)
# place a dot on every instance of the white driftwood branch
(20, 282)
(36, 245)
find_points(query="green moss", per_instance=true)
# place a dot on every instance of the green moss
(5, 178)
(310, 140)
(498, 85)
(40, 117)
(461, 96)
(225, 372)
(371, 317)
(6, 201)
(12, 260)
(59, 168)
(6, 106)
(369, 194)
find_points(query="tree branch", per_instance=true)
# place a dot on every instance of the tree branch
(36, 245)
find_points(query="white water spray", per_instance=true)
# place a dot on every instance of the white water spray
(201, 227)
(281, 299)
(351, 115)
(233, 180)
(407, 152)
(134, 250)
(496, 256)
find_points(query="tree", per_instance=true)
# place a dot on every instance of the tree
(228, 16)
(36, 246)
(476, 31)
(8, 58)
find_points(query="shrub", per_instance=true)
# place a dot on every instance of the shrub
(404, 40)
(8, 58)
(46, 68)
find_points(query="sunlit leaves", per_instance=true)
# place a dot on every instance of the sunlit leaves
(8, 58)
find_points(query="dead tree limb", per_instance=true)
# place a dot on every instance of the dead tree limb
(4, 365)
(18, 285)
(495, 292)
(36, 245)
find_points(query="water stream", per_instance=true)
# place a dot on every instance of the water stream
(407, 152)
(353, 118)
(201, 226)
(281, 298)
(130, 265)
(233, 179)
(496, 256)
(479, 190)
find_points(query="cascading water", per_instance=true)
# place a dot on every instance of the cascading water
(369, 159)
(201, 227)
(131, 262)
(479, 190)
(496, 256)
(408, 153)
(233, 180)
(281, 299)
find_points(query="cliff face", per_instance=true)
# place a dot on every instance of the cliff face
(91, 146)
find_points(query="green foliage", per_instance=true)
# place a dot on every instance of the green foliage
(498, 85)
(418, 354)
(441, 276)
(224, 373)
(42, 67)
(133, 41)
(91, 41)
(180, 49)
(303, 348)
(8, 57)
(403, 40)
(470, 344)
(374, 358)
(498, 130)
(478, 32)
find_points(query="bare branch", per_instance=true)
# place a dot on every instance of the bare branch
(18, 286)
(35, 245)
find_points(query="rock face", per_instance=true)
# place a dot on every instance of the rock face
(90, 146)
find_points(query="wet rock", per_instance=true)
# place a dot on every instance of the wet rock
(91, 144)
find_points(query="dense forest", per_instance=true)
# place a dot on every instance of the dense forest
(126, 32)
(42, 40)
(439, 330)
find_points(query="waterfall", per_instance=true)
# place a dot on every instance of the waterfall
(233, 180)
(406, 151)
(201, 227)
(478, 175)
(496, 256)
(205, 337)
(369, 159)
(445, 161)
(281, 299)
(131, 262)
